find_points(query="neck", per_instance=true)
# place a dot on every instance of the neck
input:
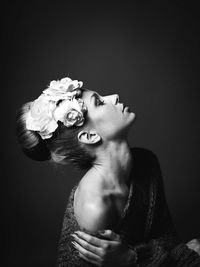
(114, 162)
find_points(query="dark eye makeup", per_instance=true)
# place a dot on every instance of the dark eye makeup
(98, 101)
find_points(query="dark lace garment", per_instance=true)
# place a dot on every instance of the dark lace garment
(145, 223)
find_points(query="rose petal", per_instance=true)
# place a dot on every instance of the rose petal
(53, 83)
(52, 126)
(45, 135)
(44, 112)
(65, 80)
(62, 109)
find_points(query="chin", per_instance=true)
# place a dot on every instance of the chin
(132, 117)
(131, 121)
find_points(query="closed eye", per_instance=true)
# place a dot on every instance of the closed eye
(99, 102)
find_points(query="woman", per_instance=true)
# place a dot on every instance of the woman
(121, 190)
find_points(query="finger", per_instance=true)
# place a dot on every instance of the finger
(86, 259)
(110, 234)
(87, 246)
(89, 255)
(89, 238)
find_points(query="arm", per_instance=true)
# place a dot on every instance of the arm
(161, 247)
(67, 255)
(95, 214)
(90, 216)
(106, 250)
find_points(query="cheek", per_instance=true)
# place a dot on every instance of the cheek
(106, 120)
(110, 123)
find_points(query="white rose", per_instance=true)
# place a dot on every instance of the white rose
(40, 117)
(57, 103)
(73, 117)
(63, 88)
(70, 112)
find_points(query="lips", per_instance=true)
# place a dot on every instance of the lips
(124, 106)
(127, 108)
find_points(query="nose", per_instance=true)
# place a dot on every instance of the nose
(114, 99)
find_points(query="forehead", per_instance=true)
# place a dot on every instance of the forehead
(86, 92)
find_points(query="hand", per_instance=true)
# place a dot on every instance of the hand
(195, 245)
(111, 251)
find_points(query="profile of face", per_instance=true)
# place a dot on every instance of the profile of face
(108, 119)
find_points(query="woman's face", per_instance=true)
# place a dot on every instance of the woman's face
(110, 118)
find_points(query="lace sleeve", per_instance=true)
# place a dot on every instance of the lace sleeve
(162, 246)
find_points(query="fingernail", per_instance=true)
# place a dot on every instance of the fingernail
(101, 231)
(77, 232)
(73, 235)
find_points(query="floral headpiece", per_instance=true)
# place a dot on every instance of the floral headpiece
(59, 102)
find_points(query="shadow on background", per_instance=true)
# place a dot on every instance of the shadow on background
(149, 54)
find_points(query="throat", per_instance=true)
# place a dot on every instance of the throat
(114, 164)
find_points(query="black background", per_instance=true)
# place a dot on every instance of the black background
(148, 52)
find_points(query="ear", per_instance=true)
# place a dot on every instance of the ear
(89, 137)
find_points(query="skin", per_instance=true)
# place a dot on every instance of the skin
(195, 245)
(106, 117)
(108, 191)
(99, 202)
(111, 251)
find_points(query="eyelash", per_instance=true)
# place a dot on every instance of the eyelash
(99, 102)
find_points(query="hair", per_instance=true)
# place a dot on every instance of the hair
(63, 147)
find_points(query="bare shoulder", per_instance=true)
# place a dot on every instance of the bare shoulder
(93, 210)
